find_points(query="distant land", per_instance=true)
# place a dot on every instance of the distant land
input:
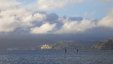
(10, 41)
(34, 42)
(104, 45)
(100, 45)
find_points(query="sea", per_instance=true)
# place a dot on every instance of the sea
(57, 57)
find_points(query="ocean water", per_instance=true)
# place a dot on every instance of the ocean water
(56, 57)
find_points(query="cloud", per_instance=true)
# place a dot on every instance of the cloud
(6, 24)
(43, 23)
(43, 29)
(6, 4)
(76, 26)
(14, 17)
(7, 21)
(107, 21)
(55, 4)
(71, 26)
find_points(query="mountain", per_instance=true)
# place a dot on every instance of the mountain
(104, 45)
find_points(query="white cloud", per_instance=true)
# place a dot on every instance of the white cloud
(107, 21)
(45, 28)
(39, 16)
(54, 4)
(6, 24)
(13, 16)
(84, 25)
(7, 21)
(6, 4)
(76, 26)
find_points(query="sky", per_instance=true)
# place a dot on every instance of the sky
(94, 8)
(27, 23)
(55, 16)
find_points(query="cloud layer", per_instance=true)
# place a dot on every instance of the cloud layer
(14, 18)
(43, 29)
(53, 4)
